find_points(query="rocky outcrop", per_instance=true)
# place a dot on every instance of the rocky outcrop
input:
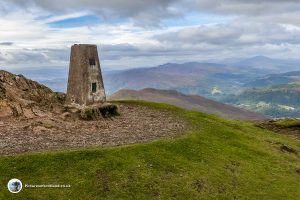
(20, 96)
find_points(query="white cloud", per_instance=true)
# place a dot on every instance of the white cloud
(144, 13)
(251, 28)
(56, 18)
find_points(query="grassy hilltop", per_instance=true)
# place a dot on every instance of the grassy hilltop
(215, 159)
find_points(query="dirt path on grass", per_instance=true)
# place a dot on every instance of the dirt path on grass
(136, 124)
(272, 126)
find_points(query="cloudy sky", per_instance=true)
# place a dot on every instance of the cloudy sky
(139, 33)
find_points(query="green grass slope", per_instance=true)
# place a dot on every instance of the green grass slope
(216, 159)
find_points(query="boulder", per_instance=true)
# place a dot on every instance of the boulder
(38, 112)
(28, 113)
(5, 109)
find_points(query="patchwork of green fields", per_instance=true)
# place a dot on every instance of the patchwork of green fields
(276, 101)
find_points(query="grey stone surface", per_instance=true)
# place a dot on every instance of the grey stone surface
(84, 71)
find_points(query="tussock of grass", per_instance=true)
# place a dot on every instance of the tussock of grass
(216, 159)
(109, 110)
(95, 112)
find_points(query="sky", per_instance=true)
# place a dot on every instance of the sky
(139, 33)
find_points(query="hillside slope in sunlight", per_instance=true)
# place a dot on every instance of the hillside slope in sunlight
(191, 102)
(215, 159)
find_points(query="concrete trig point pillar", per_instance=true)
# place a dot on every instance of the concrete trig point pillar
(85, 83)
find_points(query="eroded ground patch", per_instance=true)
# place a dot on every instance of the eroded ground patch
(136, 124)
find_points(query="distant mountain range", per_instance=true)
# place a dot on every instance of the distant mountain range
(189, 78)
(274, 79)
(191, 102)
(269, 64)
(211, 80)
